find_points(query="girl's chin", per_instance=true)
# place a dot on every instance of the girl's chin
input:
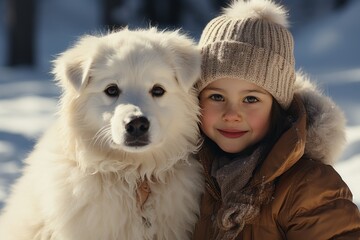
(230, 149)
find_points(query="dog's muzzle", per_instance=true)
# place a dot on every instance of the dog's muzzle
(137, 132)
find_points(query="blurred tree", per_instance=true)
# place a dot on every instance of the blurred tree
(21, 32)
(340, 3)
(108, 17)
(118, 13)
(164, 13)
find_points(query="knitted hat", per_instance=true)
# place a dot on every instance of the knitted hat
(250, 41)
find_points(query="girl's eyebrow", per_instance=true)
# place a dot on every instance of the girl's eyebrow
(214, 89)
(256, 91)
(261, 91)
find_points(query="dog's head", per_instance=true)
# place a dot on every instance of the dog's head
(131, 90)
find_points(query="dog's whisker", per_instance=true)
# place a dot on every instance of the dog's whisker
(102, 137)
(106, 139)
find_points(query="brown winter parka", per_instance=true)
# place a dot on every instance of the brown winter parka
(310, 201)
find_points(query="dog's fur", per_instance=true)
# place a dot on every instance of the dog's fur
(116, 129)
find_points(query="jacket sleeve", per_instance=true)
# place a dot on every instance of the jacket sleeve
(319, 206)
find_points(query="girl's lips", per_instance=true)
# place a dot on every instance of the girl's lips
(232, 133)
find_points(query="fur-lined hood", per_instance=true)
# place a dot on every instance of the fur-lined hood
(318, 133)
(325, 137)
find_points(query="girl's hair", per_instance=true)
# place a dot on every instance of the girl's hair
(279, 123)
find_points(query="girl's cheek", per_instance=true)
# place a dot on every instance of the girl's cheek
(209, 110)
(205, 116)
(208, 117)
(260, 122)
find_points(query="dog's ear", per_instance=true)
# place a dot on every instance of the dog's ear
(186, 59)
(73, 66)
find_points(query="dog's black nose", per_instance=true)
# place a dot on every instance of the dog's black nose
(138, 126)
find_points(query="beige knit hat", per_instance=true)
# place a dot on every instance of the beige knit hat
(250, 41)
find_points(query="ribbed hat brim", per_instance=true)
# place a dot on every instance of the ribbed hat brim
(263, 67)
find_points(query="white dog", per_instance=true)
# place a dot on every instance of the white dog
(117, 164)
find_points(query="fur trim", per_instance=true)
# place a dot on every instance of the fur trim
(261, 9)
(326, 123)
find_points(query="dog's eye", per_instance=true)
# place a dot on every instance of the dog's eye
(112, 90)
(157, 91)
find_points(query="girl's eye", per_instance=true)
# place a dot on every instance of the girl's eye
(157, 91)
(112, 90)
(217, 97)
(250, 99)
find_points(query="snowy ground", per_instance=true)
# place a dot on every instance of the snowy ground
(328, 50)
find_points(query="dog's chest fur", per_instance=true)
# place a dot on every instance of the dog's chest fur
(170, 211)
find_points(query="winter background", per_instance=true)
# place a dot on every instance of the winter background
(327, 47)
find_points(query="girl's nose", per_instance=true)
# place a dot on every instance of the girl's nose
(232, 113)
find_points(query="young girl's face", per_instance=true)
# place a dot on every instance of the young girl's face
(235, 113)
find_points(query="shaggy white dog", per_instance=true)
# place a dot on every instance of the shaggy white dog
(117, 164)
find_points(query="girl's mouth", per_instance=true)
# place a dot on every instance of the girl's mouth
(232, 133)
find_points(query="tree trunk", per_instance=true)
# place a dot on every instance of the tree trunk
(21, 32)
(108, 19)
(340, 3)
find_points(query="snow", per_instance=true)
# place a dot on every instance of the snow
(327, 50)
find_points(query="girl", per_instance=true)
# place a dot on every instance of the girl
(269, 136)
